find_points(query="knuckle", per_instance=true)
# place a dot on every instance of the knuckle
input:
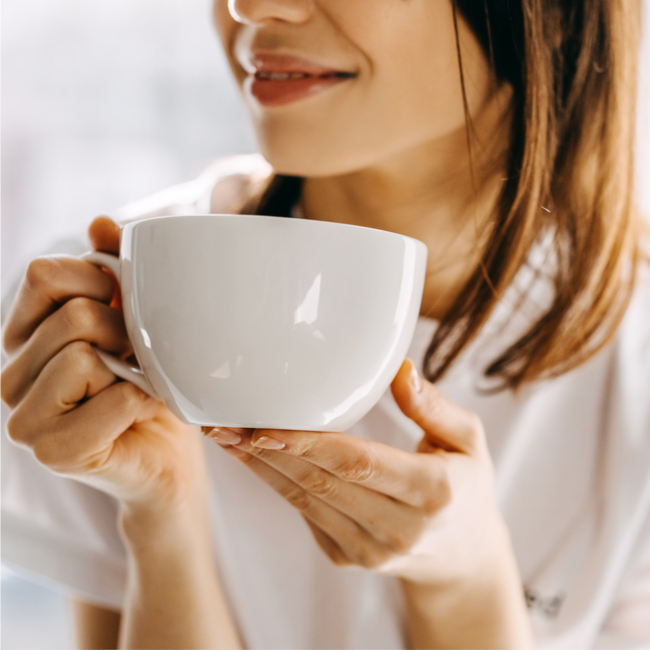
(80, 315)
(320, 484)
(16, 428)
(8, 389)
(359, 468)
(298, 498)
(81, 356)
(130, 396)
(42, 273)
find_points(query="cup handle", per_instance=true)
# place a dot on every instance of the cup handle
(115, 365)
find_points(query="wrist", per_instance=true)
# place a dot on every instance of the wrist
(483, 607)
(173, 597)
(145, 528)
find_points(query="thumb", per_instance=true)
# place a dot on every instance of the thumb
(104, 235)
(445, 424)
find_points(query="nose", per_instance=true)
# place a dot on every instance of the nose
(259, 11)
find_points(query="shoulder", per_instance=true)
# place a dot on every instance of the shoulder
(225, 186)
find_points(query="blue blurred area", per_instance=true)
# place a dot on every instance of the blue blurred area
(105, 103)
(34, 617)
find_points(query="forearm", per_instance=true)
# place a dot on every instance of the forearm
(485, 611)
(174, 598)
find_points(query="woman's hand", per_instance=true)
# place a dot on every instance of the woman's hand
(79, 421)
(68, 407)
(429, 517)
(417, 516)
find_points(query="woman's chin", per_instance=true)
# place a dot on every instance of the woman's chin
(313, 163)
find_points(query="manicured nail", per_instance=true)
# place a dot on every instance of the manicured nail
(264, 442)
(414, 379)
(225, 436)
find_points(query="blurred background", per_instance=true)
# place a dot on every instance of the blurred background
(105, 103)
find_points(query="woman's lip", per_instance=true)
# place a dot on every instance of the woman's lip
(271, 62)
(276, 79)
(280, 88)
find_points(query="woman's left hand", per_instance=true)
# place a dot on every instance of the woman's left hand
(429, 517)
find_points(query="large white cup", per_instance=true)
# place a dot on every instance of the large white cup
(266, 322)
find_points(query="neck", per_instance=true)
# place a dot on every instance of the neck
(431, 193)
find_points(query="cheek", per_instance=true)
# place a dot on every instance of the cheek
(415, 79)
(418, 94)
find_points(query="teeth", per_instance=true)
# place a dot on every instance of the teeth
(280, 76)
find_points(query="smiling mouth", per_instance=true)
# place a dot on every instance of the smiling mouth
(277, 88)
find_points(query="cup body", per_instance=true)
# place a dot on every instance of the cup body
(269, 322)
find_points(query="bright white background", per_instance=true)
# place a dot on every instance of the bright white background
(103, 103)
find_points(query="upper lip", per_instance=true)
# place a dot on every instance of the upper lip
(260, 62)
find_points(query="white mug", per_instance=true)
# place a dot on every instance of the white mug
(265, 322)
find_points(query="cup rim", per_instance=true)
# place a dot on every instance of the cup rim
(132, 225)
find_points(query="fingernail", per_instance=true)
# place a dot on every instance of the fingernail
(264, 442)
(414, 379)
(225, 436)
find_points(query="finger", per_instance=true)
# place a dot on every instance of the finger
(72, 376)
(226, 435)
(80, 319)
(49, 282)
(394, 524)
(445, 424)
(95, 426)
(409, 478)
(75, 411)
(104, 235)
(355, 543)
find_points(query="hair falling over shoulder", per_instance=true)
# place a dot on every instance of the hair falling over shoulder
(570, 172)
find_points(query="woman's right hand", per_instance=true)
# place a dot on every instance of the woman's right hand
(68, 407)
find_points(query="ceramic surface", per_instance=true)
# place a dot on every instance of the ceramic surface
(271, 322)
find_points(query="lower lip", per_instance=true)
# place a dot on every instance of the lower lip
(271, 92)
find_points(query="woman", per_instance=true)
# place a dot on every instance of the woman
(500, 134)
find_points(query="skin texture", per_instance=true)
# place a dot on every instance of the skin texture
(386, 149)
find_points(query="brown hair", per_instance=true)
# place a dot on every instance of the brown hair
(570, 169)
(573, 68)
